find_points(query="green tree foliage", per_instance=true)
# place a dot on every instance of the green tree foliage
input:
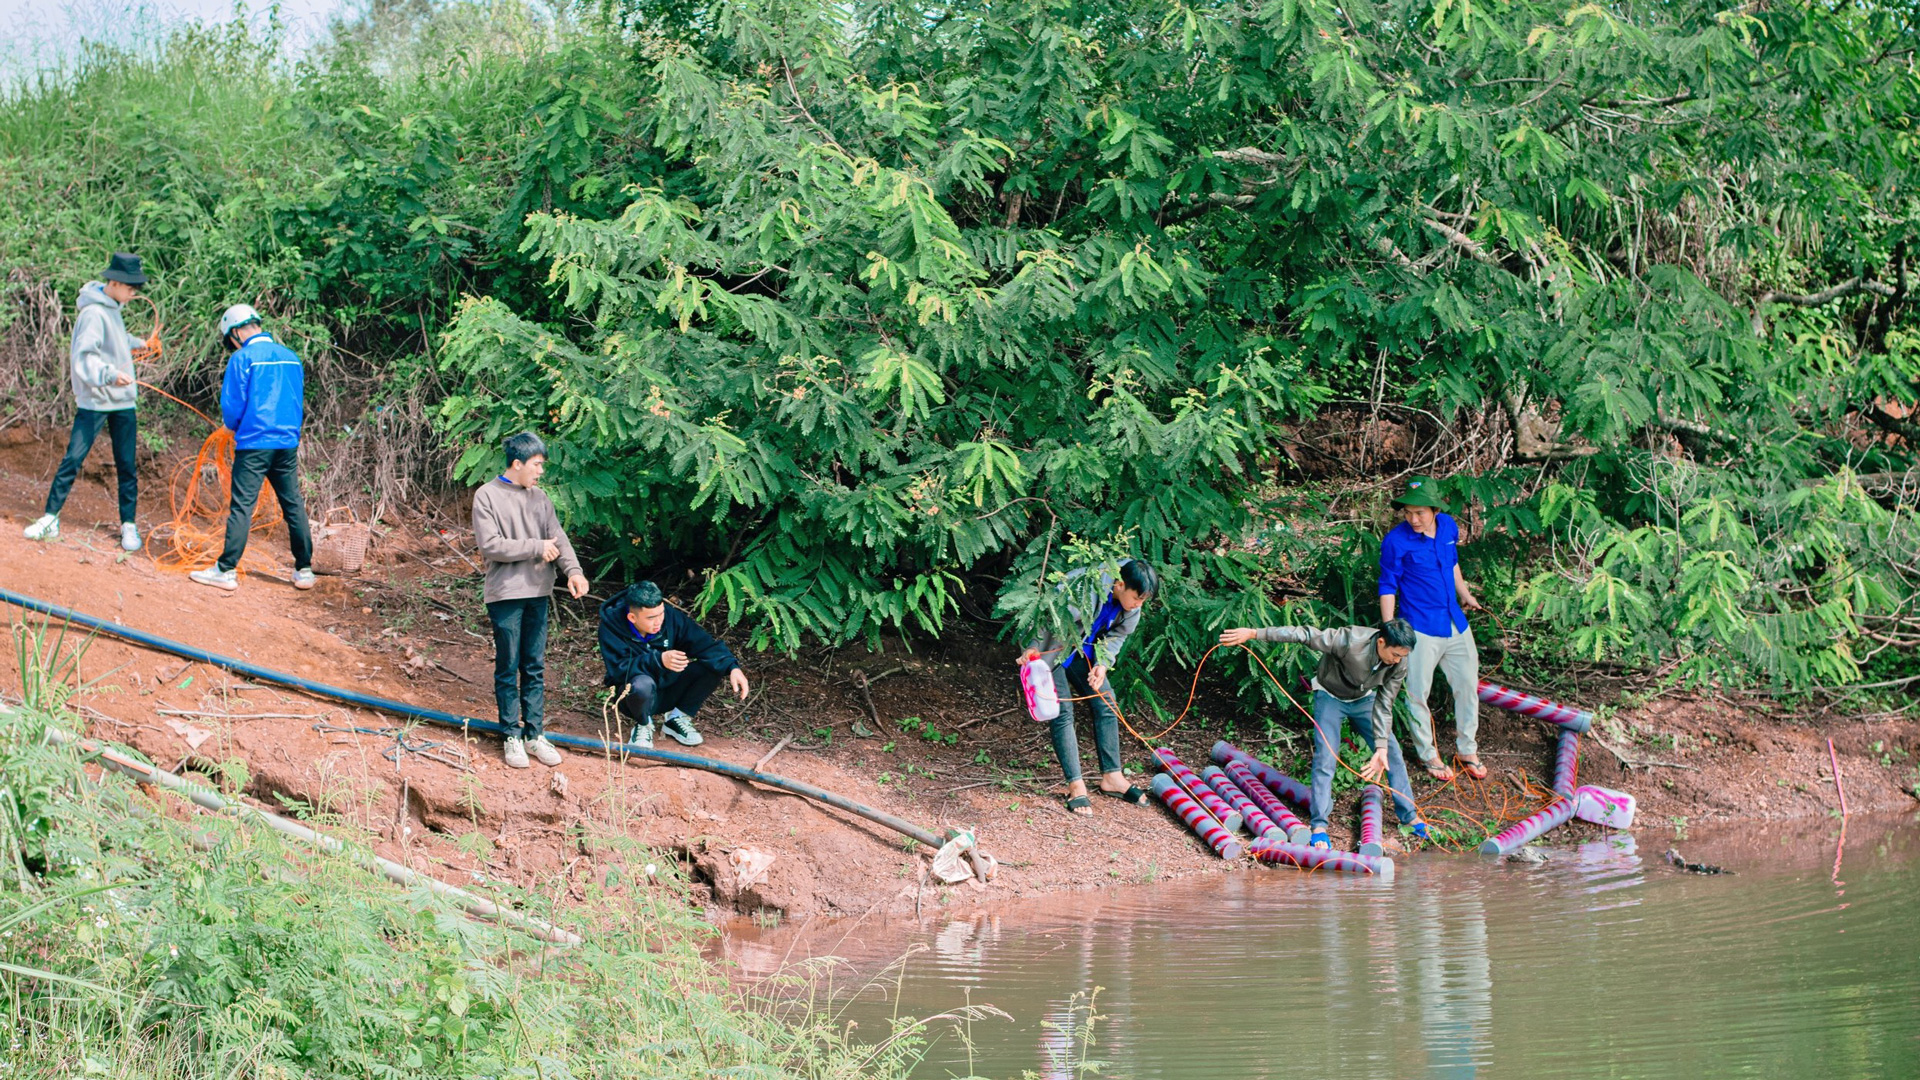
(863, 310)
(923, 291)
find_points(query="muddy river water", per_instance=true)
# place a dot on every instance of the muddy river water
(1603, 962)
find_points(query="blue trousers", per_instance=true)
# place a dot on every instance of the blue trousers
(1329, 713)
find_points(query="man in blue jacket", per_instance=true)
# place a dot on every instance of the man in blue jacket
(261, 403)
(1421, 582)
(659, 661)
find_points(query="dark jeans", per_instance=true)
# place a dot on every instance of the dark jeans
(520, 665)
(281, 468)
(1071, 682)
(123, 429)
(1328, 713)
(686, 690)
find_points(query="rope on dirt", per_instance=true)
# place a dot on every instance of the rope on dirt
(200, 491)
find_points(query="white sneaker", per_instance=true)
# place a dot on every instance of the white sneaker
(680, 726)
(642, 736)
(129, 536)
(303, 579)
(544, 752)
(46, 527)
(219, 579)
(514, 753)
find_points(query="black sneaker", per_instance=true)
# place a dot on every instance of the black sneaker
(680, 726)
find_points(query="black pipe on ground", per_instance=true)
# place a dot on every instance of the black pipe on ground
(469, 723)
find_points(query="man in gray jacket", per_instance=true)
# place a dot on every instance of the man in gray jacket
(1110, 610)
(1361, 671)
(103, 389)
(519, 535)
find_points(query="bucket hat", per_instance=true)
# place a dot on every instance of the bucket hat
(1422, 491)
(125, 269)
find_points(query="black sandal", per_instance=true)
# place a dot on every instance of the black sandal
(1079, 803)
(1132, 795)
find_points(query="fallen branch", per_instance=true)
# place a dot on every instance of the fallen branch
(1639, 763)
(768, 756)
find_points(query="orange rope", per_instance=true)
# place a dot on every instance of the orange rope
(1505, 815)
(201, 491)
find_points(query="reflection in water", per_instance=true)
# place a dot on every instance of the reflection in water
(1597, 964)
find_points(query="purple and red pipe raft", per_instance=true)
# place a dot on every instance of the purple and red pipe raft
(1176, 800)
(1197, 788)
(1257, 822)
(1263, 796)
(1311, 858)
(1371, 819)
(1526, 830)
(1566, 765)
(1281, 784)
(1576, 720)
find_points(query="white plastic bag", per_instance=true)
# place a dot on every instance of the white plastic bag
(1036, 682)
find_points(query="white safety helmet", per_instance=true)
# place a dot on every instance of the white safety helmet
(236, 317)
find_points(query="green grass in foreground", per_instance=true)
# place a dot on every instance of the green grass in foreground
(142, 939)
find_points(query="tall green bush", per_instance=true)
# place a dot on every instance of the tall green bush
(917, 296)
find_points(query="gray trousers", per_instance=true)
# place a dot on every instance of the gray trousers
(1458, 657)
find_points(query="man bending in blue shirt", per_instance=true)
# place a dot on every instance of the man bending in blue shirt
(1420, 581)
(262, 403)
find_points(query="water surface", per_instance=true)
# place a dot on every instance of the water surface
(1605, 962)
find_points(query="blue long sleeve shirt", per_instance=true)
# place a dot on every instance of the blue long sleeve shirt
(1419, 572)
(262, 397)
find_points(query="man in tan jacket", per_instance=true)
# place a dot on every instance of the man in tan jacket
(520, 536)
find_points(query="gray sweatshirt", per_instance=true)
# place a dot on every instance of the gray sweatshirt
(1350, 668)
(1085, 607)
(511, 525)
(102, 352)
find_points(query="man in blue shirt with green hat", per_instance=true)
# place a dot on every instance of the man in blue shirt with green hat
(1421, 582)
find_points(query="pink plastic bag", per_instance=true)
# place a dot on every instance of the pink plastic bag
(1036, 682)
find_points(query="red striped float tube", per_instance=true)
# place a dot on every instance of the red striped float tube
(1197, 788)
(1527, 830)
(1371, 818)
(1217, 838)
(1263, 797)
(1311, 858)
(1282, 785)
(1539, 708)
(1258, 823)
(1566, 765)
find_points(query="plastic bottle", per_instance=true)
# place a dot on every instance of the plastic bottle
(1036, 682)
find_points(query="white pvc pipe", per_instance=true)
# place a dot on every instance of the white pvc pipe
(393, 871)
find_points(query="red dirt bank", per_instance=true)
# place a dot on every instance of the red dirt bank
(528, 828)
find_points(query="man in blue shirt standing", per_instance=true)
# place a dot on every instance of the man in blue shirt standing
(261, 402)
(1421, 582)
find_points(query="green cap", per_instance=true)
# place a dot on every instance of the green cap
(1421, 491)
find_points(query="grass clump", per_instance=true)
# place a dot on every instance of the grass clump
(142, 938)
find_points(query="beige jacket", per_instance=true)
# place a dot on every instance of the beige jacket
(511, 525)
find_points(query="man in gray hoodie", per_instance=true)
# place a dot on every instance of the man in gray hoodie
(102, 366)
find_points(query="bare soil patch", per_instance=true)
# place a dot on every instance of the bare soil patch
(944, 743)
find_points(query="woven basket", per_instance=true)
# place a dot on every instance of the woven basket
(340, 547)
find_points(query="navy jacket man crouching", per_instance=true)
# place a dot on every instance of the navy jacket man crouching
(661, 663)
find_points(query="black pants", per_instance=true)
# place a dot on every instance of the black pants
(520, 665)
(684, 690)
(123, 430)
(281, 468)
